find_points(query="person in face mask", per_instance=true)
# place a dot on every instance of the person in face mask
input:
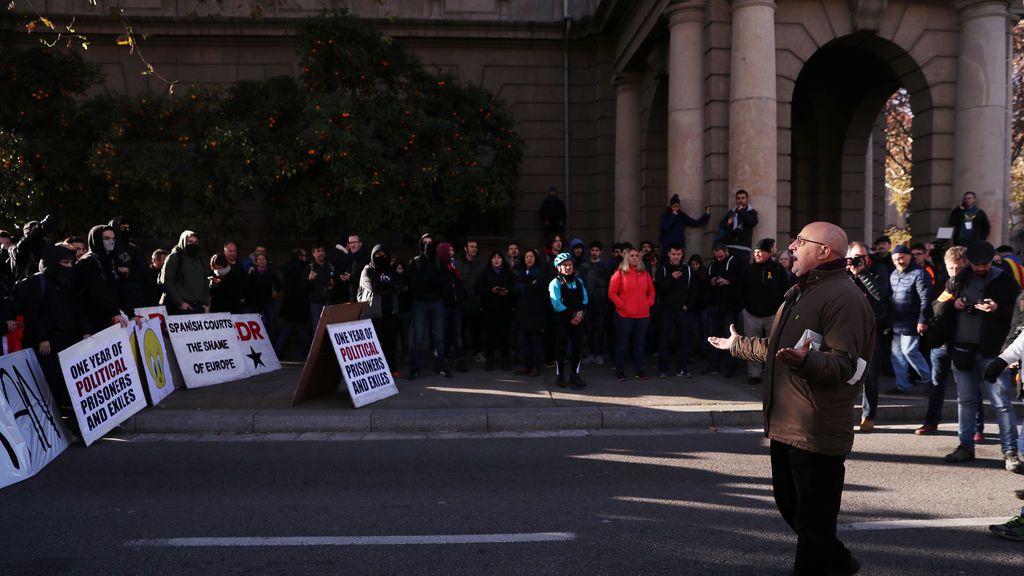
(183, 278)
(426, 279)
(131, 277)
(227, 289)
(94, 282)
(379, 285)
(52, 320)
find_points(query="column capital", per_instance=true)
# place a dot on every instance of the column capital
(740, 4)
(970, 9)
(679, 11)
(625, 81)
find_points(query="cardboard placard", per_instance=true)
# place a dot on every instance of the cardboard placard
(154, 363)
(206, 346)
(103, 380)
(321, 372)
(159, 313)
(363, 365)
(31, 432)
(258, 353)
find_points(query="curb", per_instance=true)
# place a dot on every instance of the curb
(474, 419)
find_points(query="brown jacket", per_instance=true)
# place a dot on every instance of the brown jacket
(811, 407)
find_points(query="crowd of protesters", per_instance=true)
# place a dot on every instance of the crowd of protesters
(941, 311)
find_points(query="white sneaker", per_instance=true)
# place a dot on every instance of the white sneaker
(1012, 462)
(479, 358)
(599, 360)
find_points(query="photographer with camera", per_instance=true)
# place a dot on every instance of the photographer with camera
(983, 301)
(870, 278)
(24, 256)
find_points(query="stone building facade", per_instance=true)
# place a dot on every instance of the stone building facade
(650, 98)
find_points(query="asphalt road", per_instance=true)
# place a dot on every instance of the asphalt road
(696, 502)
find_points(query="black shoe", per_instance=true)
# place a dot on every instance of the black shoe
(1019, 494)
(577, 382)
(620, 375)
(489, 365)
(753, 381)
(849, 568)
(446, 373)
(897, 391)
(413, 374)
(460, 366)
(560, 381)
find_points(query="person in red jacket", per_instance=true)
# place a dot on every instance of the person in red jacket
(632, 293)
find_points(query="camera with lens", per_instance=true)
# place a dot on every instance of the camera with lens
(857, 261)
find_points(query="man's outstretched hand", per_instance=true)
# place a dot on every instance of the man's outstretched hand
(724, 343)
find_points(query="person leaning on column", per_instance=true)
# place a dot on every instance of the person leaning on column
(810, 391)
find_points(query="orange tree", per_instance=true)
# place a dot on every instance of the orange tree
(366, 137)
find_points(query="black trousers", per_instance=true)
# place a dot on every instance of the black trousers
(568, 341)
(808, 492)
(387, 333)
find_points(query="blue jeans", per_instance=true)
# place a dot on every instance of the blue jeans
(428, 320)
(942, 366)
(1000, 394)
(675, 339)
(315, 309)
(624, 329)
(906, 353)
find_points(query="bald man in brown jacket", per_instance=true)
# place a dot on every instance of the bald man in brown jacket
(809, 393)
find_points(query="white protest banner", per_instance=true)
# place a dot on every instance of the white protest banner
(159, 314)
(31, 432)
(257, 349)
(103, 381)
(206, 346)
(363, 365)
(154, 363)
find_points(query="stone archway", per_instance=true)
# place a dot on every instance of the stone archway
(837, 99)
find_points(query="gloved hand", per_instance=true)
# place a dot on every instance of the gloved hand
(994, 369)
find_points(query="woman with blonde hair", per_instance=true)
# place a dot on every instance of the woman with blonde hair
(632, 293)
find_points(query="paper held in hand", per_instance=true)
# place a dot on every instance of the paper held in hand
(817, 340)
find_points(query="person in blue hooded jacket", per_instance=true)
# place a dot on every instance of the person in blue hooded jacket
(569, 300)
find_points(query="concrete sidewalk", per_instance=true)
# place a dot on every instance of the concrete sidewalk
(481, 401)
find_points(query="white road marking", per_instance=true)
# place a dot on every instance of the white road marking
(932, 523)
(357, 540)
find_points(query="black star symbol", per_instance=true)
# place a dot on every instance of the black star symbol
(255, 357)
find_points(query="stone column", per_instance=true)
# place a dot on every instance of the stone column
(686, 113)
(753, 124)
(982, 133)
(627, 158)
(869, 192)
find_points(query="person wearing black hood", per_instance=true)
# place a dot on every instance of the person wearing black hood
(183, 278)
(426, 278)
(94, 280)
(675, 286)
(25, 254)
(495, 288)
(52, 320)
(131, 279)
(379, 285)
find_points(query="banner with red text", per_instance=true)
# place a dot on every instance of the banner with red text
(103, 380)
(257, 349)
(31, 432)
(363, 365)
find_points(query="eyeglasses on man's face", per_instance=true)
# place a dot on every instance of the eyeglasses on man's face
(800, 241)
